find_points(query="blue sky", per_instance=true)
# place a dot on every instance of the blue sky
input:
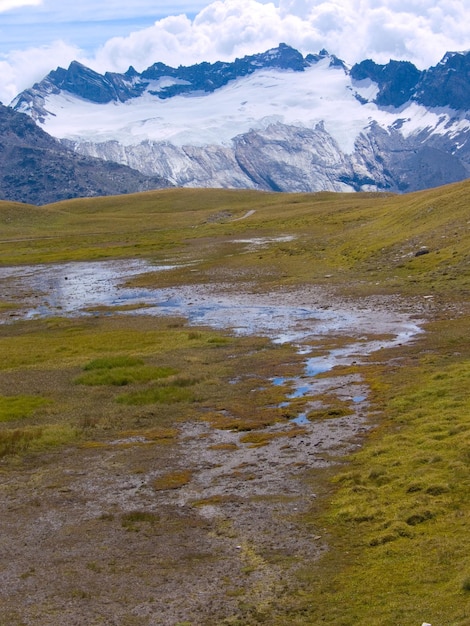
(37, 36)
(26, 23)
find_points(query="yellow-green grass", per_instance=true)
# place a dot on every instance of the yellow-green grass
(262, 438)
(134, 520)
(56, 342)
(332, 408)
(67, 376)
(172, 480)
(14, 408)
(364, 239)
(16, 442)
(398, 520)
(160, 394)
(120, 371)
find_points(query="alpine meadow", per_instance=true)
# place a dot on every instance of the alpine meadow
(258, 412)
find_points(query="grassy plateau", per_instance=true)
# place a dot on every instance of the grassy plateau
(103, 399)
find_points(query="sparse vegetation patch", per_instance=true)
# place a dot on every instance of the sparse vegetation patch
(167, 394)
(172, 480)
(120, 376)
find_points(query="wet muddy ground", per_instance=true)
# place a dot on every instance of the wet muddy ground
(87, 538)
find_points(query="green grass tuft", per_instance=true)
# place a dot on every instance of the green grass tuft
(132, 521)
(14, 408)
(168, 394)
(112, 362)
(172, 480)
(121, 376)
(20, 441)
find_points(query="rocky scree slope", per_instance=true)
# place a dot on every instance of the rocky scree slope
(274, 121)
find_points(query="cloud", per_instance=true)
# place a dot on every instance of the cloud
(8, 5)
(23, 68)
(221, 31)
(417, 30)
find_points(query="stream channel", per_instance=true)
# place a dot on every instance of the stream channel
(299, 317)
(250, 498)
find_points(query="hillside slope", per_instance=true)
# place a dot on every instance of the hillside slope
(36, 168)
(414, 243)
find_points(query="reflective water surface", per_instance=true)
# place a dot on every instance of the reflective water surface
(73, 289)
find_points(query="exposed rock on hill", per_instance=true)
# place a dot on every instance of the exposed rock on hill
(36, 168)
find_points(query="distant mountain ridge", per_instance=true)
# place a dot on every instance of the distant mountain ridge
(202, 77)
(275, 120)
(446, 84)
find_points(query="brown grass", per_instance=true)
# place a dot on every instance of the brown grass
(172, 480)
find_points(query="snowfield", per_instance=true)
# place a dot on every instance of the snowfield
(319, 94)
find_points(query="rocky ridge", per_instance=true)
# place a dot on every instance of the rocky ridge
(409, 128)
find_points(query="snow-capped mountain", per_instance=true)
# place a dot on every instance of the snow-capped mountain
(275, 121)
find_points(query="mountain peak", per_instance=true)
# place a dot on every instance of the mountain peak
(201, 77)
(396, 80)
(324, 54)
(447, 83)
(283, 57)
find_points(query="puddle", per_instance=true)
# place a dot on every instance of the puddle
(300, 392)
(70, 288)
(262, 242)
(73, 289)
(358, 399)
(301, 419)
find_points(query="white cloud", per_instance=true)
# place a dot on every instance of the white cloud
(221, 31)
(416, 30)
(23, 68)
(8, 5)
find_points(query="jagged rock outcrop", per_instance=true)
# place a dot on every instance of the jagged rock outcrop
(446, 84)
(396, 81)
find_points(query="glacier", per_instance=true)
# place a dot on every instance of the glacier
(281, 127)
